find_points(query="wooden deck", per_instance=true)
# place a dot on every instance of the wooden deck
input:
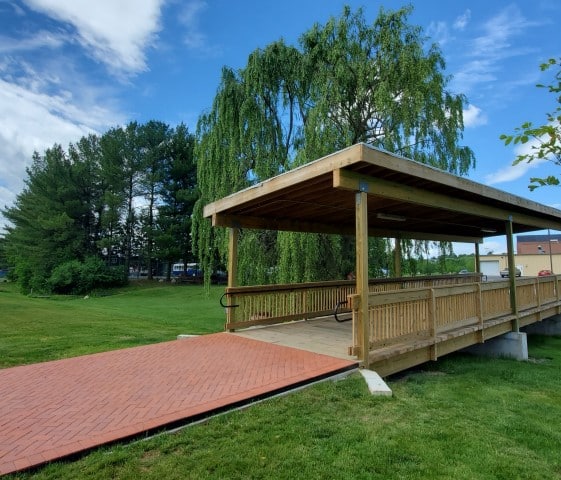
(319, 335)
(409, 321)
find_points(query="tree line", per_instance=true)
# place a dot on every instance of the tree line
(90, 214)
(137, 192)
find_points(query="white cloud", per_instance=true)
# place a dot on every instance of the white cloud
(493, 246)
(488, 246)
(461, 22)
(438, 32)
(33, 121)
(189, 17)
(497, 32)
(116, 33)
(47, 96)
(191, 13)
(473, 117)
(194, 38)
(514, 172)
(494, 45)
(508, 173)
(42, 39)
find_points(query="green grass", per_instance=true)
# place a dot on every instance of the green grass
(39, 329)
(463, 417)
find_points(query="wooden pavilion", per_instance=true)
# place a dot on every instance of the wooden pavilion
(364, 191)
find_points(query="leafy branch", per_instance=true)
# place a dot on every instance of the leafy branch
(545, 139)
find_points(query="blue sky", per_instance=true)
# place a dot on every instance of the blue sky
(71, 67)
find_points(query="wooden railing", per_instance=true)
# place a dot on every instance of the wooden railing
(268, 304)
(424, 313)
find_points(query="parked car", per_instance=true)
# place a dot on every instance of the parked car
(464, 272)
(504, 273)
(544, 273)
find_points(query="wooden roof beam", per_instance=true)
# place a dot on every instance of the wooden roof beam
(290, 225)
(355, 182)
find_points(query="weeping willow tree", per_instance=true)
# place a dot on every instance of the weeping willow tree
(251, 133)
(348, 81)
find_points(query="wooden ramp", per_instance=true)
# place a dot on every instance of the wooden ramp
(56, 409)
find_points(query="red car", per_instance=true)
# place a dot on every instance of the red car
(544, 273)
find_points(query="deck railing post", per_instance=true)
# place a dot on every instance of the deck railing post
(557, 294)
(537, 288)
(432, 320)
(479, 311)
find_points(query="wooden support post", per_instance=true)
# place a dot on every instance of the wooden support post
(397, 257)
(361, 207)
(477, 259)
(232, 271)
(233, 258)
(512, 274)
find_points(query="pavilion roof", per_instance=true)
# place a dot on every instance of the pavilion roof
(406, 199)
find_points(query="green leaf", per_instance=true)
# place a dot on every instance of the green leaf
(506, 138)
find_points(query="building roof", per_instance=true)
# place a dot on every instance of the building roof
(405, 199)
(538, 238)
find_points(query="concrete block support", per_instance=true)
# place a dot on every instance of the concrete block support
(549, 327)
(376, 385)
(511, 344)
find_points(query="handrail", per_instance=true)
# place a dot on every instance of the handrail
(342, 302)
(226, 306)
(343, 283)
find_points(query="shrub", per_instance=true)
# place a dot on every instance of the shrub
(66, 277)
(29, 277)
(75, 277)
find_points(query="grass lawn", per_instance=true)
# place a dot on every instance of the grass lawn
(460, 418)
(38, 329)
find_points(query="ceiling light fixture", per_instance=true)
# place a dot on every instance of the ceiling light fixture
(388, 216)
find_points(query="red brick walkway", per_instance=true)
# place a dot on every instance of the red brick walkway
(54, 409)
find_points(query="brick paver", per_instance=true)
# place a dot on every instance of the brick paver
(54, 409)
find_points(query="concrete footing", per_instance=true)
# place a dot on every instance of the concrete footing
(376, 385)
(511, 345)
(549, 327)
